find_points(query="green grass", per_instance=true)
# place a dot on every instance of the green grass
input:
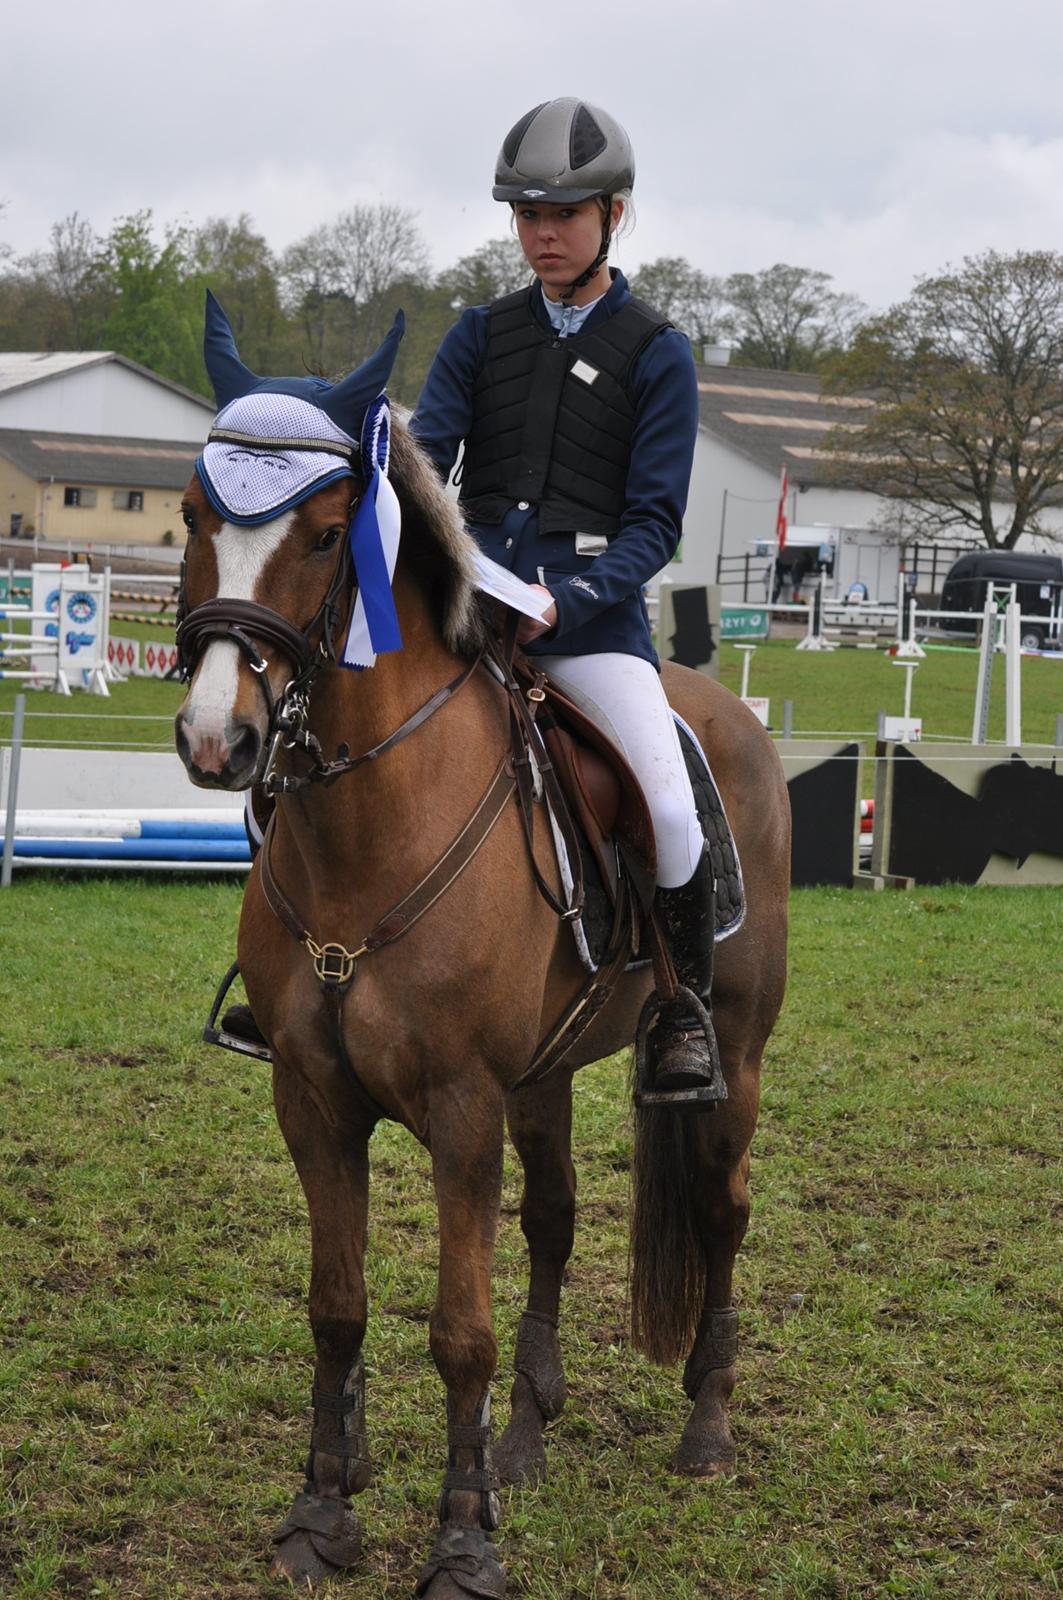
(837, 692)
(898, 1413)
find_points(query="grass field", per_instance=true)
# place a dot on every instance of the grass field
(837, 692)
(898, 1415)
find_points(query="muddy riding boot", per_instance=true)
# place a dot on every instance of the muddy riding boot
(684, 1058)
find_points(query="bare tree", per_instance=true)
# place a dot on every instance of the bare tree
(789, 318)
(967, 376)
(337, 277)
(71, 268)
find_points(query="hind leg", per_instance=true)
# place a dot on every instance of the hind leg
(540, 1125)
(321, 1534)
(720, 1215)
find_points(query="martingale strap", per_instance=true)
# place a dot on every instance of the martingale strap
(334, 964)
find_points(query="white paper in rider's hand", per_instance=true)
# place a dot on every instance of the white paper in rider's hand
(512, 591)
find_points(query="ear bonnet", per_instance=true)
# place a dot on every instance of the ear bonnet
(277, 441)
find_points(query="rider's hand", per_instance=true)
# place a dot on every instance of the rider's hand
(528, 629)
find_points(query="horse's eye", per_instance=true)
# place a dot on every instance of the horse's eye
(189, 519)
(329, 537)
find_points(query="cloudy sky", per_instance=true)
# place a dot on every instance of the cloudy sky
(873, 141)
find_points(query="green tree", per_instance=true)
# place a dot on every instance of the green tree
(157, 314)
(497, 268)
(789, 318)
(687, 297)
(966, 376)
(241, 269)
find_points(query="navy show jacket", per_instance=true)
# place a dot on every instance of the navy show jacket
(600, 604)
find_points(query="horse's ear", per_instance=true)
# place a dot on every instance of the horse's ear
(347, 400)
(228, 376)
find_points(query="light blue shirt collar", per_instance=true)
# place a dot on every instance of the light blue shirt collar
(567, 320)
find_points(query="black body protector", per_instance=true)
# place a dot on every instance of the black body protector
(552, 419)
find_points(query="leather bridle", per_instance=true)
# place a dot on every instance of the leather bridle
(248, 624)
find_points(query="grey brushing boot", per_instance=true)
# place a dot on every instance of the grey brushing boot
(684, 1058)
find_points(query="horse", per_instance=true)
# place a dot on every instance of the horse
(426, 1007)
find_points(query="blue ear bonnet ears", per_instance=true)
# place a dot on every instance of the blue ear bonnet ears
(344, 402)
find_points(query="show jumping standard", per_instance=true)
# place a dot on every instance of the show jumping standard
(397, 971)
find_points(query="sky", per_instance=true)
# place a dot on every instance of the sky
(874, 142)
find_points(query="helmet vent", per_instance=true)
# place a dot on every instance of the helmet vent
(516, 134)
(586, 139)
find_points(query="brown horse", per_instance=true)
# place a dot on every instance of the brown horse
(439, 1024)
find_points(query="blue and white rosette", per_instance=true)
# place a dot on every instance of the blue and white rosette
(374, 539)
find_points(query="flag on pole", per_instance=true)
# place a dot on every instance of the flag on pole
(780, 515)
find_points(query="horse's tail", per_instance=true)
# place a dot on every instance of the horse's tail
(667, 1255)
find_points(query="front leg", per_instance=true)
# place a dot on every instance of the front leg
(321, 1534)
(540, 1125)
(465, 1132)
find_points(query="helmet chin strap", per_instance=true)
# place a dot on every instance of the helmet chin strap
(603, 251)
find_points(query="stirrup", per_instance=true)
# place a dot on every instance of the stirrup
(705, 1095)
(233, 1040)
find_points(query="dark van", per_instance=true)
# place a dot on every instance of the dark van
(1039, 589)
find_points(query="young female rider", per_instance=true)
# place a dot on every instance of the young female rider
(577, 407)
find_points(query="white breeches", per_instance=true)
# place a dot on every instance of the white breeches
(623, 695)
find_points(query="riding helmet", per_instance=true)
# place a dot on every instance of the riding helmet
(564, 151)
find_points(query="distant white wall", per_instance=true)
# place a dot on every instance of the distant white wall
(109, 400)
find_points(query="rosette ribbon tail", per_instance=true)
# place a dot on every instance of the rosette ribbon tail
(374, 540)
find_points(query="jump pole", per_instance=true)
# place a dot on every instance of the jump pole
(1013, 673)
(17, 729)
(980, 726)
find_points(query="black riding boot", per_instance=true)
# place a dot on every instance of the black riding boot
(684, 1056)
(239, 1020)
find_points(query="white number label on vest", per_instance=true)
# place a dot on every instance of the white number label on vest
(584, 371)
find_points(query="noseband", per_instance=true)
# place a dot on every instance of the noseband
(246, 624)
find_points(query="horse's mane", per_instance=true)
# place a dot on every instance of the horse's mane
(433, 529)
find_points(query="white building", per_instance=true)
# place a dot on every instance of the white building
(96, 392)
(754, 422)
(94, 448)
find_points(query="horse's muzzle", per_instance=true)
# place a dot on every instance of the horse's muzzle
(228, 760)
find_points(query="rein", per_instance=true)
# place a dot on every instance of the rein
(243, 622)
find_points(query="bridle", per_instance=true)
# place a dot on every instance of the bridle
(244, 623)
(248, 624)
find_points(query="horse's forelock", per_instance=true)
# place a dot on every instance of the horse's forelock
(444, 548)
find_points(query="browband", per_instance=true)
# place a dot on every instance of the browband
(253, 441)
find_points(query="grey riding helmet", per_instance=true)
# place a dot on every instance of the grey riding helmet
(564, 151)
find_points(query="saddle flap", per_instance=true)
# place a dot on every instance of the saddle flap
(585, 777)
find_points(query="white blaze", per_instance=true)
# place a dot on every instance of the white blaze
(242, 555)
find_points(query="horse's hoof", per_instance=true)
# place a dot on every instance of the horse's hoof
(463, 1565)
(319, 1537)
(695, 1463)
(704, 1451)
(298, 1561)
(519, 1456)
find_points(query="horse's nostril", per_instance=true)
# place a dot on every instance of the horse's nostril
(245, 748)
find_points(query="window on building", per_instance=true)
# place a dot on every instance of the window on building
(129, 499)
(85, 498)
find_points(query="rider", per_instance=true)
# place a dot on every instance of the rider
(577, 405)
